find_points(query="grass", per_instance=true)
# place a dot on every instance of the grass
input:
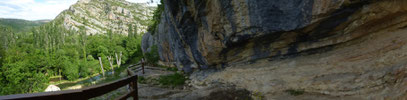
(172, 69)
(172, 80)
(295, 92)
(74, 81)
(66, 83)
(167, 68)
(141, 79)
(257, 95)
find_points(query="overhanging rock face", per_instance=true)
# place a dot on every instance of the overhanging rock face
(207, 33)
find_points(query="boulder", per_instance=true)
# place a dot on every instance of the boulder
(51, 88)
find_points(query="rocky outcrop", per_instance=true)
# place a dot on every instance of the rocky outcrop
(147, 41)
(100, 16)
(329, 48)
(51, 88)
(198, 34)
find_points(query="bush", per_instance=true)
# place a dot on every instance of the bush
(172, 69)
(18, 79)
(172, 80)
(70, 71)
(141, 80)
(152, 56)
(295, 92)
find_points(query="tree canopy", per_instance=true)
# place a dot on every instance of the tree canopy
(28, 59)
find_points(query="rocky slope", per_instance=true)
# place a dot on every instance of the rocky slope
(100, 16)
(330, 49)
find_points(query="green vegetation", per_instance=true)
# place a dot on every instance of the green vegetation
(142, 80)
(295, 92)
(152, 57)
(33, 51)
(20, 25)
(172, 69)
(257, 95)
(29, 59)
(172, 80)
(156, 17)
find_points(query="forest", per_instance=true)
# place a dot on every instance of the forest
(29, 59)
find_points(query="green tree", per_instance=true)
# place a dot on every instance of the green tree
(28, 59)
(152, 57)
(130, 31)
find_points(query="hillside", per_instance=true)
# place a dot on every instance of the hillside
(20, 25)
(91, 37)
(101, 16)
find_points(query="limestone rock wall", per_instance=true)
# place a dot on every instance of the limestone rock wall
(330, 49)
(218, 33)
(100, 16)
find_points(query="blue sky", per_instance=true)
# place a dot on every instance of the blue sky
(37, 9)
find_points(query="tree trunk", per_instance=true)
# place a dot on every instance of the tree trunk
(119, 59)
(111, 63)
(101, 66)
(60, 76)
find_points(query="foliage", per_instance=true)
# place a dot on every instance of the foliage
(19, 25)
(156, 17)
(152, 56)
(29, 59)
(141, 79)
(172, 68)
(295, 92)
(133, 46)
(257, 95)
(70, 71)
(172, 80)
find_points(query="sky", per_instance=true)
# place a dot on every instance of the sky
(38, 9)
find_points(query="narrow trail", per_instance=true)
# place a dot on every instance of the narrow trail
(152, 90)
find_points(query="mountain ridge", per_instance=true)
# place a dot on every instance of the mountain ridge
(101, 16)
(21, 25)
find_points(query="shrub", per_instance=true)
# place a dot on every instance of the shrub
(70, 71)
(141, 80)
(152, 56)
(295, 92)
(172, 80)
(172, 68)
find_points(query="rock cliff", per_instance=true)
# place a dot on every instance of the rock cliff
(100, 16)
(353, 49)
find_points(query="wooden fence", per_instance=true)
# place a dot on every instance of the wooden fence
(85, 93)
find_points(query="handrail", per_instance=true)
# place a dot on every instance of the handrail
(82, 94)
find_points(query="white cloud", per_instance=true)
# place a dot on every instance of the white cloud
(41, 9)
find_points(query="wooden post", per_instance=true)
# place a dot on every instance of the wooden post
(101, 66)
(111, 63)
(142, 65)
(135, 87)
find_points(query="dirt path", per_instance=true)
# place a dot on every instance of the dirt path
(215, 91)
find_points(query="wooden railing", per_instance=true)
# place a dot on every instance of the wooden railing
(85, 93)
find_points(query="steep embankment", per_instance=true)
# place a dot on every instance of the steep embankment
(100, 16)
(329, 48)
